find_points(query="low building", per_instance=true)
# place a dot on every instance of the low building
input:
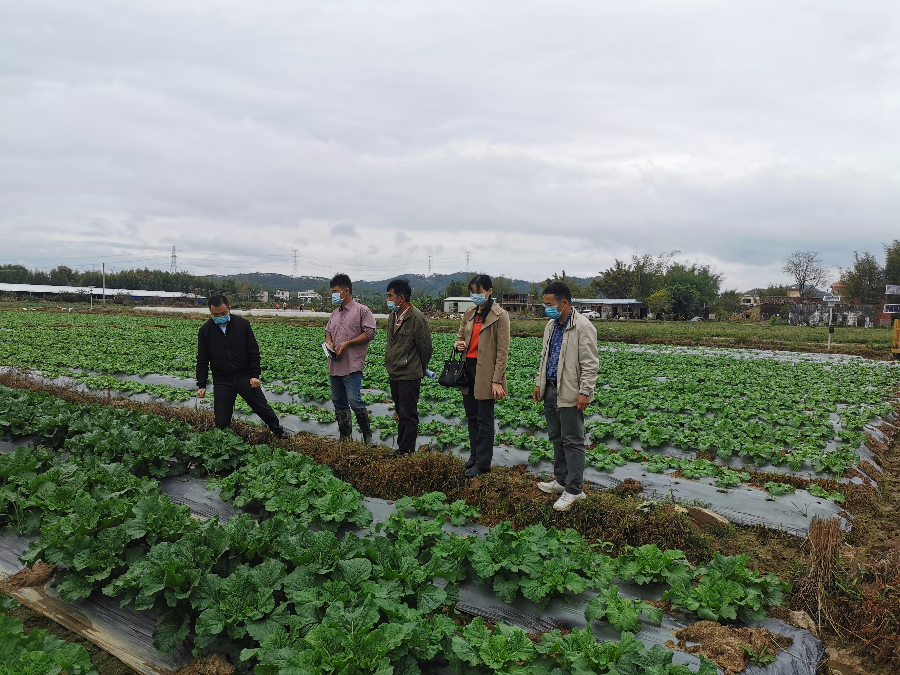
(457, 305)
(282, 295)
(262, 296)
(773, 305)
(41, 290)
(308, 296)
(612, 308)
(518, 303)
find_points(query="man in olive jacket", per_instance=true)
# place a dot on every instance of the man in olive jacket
(406, 358)
(565, 383)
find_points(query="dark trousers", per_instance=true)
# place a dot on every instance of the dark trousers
(406, 402)
(225, 394)
(565, 427)
(480, 416)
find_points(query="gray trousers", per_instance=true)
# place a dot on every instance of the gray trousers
(565, 426)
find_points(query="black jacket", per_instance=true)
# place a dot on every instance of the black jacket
(233, 355)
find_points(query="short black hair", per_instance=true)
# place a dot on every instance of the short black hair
(481, 281)
(401, 287)
(559, 290)
(341, 281)
(216, 300)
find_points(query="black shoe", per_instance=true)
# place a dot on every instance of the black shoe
(470, 462)
(282, 433)
(475, 471)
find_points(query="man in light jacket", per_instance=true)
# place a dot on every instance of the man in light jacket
(565, 382)
(406, 356)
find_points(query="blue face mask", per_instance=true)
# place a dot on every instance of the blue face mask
(221, 320)
(552, 312)
(478, 298)
(335, 298)
(391, 306)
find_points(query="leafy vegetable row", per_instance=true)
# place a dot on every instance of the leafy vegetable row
(37, 652)
(287, 596)
(114, 531)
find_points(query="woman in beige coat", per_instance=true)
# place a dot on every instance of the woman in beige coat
(483, 337)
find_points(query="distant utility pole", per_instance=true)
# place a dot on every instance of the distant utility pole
(104, 283)
(294, 251)
(173, 268)
(429, 267)
(467, 261)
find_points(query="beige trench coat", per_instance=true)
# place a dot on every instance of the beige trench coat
(493, 349)
(578, 361)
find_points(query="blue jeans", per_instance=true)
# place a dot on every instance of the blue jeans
(345, 392)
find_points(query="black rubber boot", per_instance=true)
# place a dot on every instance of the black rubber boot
(470, 462)
(365, 426)
(345, 426)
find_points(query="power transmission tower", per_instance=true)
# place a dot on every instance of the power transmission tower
(294, 251)
(468, 253)
(173, 268)
(429, 266)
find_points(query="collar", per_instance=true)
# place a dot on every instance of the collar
(344, 308)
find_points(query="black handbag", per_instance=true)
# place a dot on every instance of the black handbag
(455, 373)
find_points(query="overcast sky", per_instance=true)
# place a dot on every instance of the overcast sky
(540, 136)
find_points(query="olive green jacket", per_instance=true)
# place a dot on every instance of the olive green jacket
(409, 349)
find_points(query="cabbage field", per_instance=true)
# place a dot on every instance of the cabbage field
(799, 413)
(309, 577)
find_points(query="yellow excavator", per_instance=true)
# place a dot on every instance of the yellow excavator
(895, 346)
(894, 309)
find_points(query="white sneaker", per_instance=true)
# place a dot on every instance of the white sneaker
(565, 502)
(553, 487)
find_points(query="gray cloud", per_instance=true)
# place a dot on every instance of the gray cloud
(540, 137)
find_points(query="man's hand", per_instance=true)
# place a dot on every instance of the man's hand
(497, 391)
(536, 396)
(341, 349)
(329, 342)
(582, 402)
(254, 382)
(460, 345)
(201, 392)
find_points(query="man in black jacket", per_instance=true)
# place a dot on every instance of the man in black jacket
(226, 342)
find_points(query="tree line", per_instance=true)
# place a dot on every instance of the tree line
(137, 279)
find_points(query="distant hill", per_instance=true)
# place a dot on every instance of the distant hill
(434, 285)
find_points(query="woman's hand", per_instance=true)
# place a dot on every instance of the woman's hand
(460, 345)
(497, 391)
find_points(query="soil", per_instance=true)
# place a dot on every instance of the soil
(208, 664)
(102, 661)
(37, 575)
(722, 644)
